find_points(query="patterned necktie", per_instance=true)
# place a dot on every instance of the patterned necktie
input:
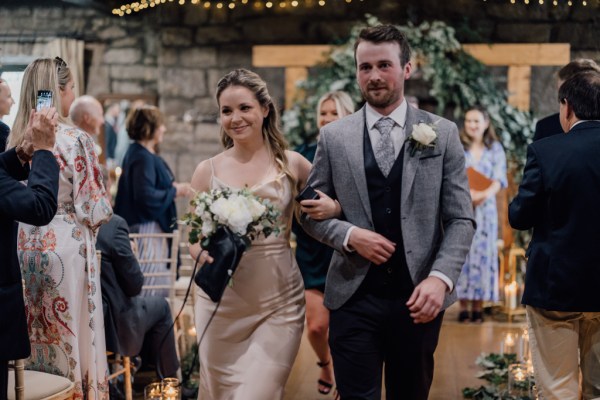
(384, 153)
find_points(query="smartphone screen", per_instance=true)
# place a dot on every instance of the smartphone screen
(44, 99)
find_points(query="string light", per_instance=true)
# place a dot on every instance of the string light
(139, 5)
(555, 3)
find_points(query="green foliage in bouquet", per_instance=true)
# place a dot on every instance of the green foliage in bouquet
(456, 80)
(246, 214)
(495, 373)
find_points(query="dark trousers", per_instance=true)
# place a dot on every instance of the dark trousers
(371, 331)
(158, 349)
(3, 379)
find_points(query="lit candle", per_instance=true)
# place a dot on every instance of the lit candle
(519, 375)
(170, 393)
(524, 346)
(510, 295)
(508, 344)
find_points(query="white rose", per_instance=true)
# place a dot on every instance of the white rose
(423, 134)
(256, 209)
(208, 228)
(235, 212)
(200, 209)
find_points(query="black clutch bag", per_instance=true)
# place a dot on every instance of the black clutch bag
(226, 248)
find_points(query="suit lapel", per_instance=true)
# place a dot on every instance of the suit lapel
(411, 163)
(354, 143)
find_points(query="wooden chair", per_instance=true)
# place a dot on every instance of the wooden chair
(160, 242)
(121, 365)
(34, 385)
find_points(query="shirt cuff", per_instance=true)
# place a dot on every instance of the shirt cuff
(346, 247)
(444, 278)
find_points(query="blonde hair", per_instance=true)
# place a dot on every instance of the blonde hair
(343, 103)
(41, 74)
(271, 131)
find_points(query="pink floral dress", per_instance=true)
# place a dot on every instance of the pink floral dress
(62, 278)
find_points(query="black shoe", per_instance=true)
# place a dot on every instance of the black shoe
(477, 317)
(463, 316)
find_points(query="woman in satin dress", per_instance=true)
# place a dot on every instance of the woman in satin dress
(250, 345)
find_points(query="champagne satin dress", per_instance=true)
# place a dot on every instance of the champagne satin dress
(251, 344)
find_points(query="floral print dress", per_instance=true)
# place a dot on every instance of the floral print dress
(479, 277)
(62, 277)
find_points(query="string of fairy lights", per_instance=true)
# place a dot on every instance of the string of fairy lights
(140, 5)
(555, 3)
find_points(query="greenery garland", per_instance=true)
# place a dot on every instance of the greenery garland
(456, 80)
(495, 373)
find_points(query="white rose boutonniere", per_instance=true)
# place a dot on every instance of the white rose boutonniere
(423, 135)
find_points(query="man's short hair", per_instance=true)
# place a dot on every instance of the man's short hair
(582, 93)
(576, 66)
(383, 34)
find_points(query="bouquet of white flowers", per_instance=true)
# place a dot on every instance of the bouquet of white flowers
(225, 222)
(245, 214)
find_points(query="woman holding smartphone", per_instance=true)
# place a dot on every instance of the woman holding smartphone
(58, 261)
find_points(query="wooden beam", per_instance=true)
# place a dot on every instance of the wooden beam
(289, 55)
(292, 76)
(553, 54)
(519, 87)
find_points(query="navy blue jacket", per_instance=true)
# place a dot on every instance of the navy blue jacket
(547, 127)
(559, 197)
(34, 204)
(146, 192)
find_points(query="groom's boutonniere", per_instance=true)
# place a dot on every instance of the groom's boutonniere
(423, 135)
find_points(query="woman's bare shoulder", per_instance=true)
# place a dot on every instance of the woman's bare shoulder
(202, 175)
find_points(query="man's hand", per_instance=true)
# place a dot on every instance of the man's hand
(372, 246)
(43, 128)
(426, 300)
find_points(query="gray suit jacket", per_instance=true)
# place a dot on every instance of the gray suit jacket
(436, 211)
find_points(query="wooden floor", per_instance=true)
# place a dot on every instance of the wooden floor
(455, 368)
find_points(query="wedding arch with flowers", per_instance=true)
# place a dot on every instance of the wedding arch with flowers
(455, 79)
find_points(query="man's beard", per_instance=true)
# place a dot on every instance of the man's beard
(386, 98)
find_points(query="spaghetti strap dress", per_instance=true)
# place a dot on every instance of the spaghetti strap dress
(250, 346)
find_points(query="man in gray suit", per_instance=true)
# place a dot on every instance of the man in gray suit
(406, 227)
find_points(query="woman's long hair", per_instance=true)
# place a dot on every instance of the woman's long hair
(271, 131)
(41, 74)
(489, 135)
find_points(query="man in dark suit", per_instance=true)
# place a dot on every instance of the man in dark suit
(6, 102)
(132, 322)
(550, 125)
(559, 197)
(33, 204)
(399, 176)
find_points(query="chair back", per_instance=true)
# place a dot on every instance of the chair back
(35, 385)
(154, 252)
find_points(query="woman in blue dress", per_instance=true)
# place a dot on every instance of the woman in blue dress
(313, 257)
(479, 279)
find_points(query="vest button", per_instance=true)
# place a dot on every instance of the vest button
(389, 270)
(388, 189)
(388, 210)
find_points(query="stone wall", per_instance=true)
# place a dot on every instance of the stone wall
(178, 53)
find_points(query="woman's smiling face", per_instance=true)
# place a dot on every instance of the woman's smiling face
(241, 114)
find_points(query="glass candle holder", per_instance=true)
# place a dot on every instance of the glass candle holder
(508, 344)
(153, 391)
(519, 381)
(171, 389)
